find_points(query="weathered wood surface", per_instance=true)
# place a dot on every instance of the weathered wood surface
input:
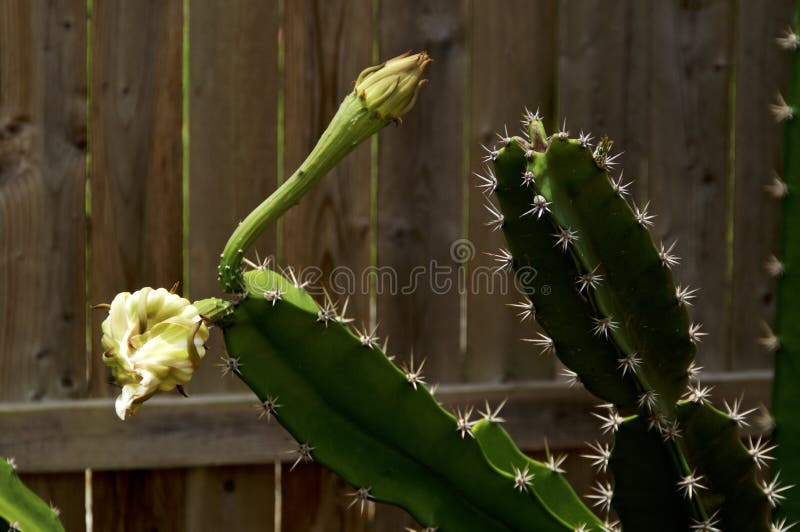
(136, 230)
(136, 236)
(497, 97)
(761, 71)
(143, 501)
(64, 491)
(233, 147)
(330, 230)
(231, 498)
(688, 154)
(72, 435)
(421, 180)
(42, 220)
(42, 217)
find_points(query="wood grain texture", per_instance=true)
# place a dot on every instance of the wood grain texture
(136, 218)
(761, 71)
(233, 125)
(42, 217)
(64, 491)
(316, 500)
(42, 185)
(73, 435)
(602, 74)
(328, 233)
(498, 95)
(232, 142)
(421, 177)
(328, 43)
(688, 153)
(139, 501)
(230, 498)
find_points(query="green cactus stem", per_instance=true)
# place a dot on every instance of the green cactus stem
(562, 310)
(382, 95)
(604, 294)
(785, 340)
(376, 425)
(725, 470)
(21, 507)
(548, 480)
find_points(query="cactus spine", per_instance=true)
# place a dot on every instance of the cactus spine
(20, 508)
(785, 341)
(615, 318)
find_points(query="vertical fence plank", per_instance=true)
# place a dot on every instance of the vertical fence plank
(136, 229)
(601, 71)
(498, 96)
(42, 180)
(229, 498)
(42, 217)
(316, 500)
(420, 189)
(688, 155)
(140, 501)
(64, 491)
(233, 105)
(327, 45)
(761, 71)
(233, 101)
(136, 225)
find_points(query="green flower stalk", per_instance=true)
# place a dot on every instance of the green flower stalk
(154, 340)
(382, 94)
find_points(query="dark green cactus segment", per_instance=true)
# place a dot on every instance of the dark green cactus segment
(712, 447)
(786, 341)
(646, 496)
(550, 486)
(637, 291)
(22, 507)
(561, 310)
(712, 442)
(360, 416)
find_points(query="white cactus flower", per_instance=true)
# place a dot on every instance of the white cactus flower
(153, 340)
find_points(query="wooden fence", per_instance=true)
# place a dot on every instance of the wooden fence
(135, 134)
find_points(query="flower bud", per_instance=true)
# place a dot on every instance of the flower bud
(390, 89)
(153, 340)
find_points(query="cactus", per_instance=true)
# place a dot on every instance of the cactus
(615, 318)
(20, 508)
(378, 426)
(785, 340)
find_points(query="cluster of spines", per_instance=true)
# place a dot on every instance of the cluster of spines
(648, 401)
